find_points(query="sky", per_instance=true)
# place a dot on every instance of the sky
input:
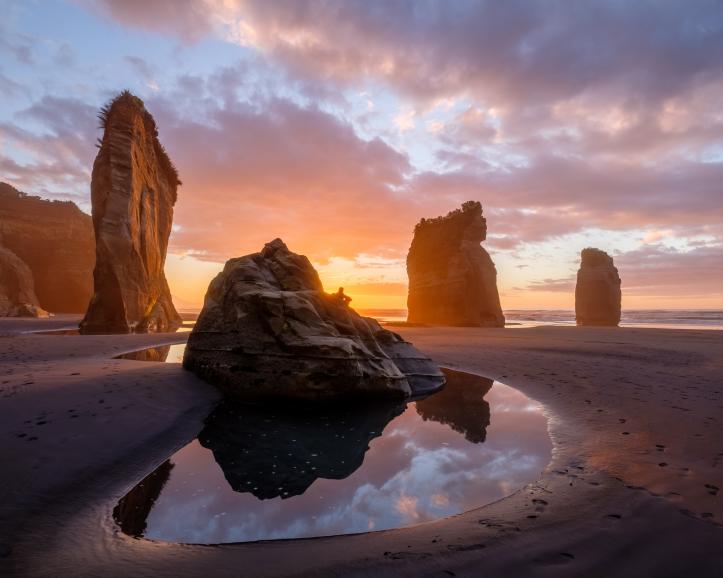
(337, 125)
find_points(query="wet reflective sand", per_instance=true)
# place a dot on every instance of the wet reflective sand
(260, 474)
(163, 353)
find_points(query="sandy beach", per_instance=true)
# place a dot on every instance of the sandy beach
(632, 489)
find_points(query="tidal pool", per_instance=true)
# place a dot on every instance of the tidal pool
(163, 353)
(266, 474)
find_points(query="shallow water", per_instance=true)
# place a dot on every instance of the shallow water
(264, 474)
(165, 353)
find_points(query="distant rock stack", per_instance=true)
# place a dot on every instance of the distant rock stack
(268, 332)
(597, 293)
(133, 190)
(55, 240)
(452, 279)
(17, 294)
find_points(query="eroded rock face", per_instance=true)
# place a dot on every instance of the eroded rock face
(55, 240)
(133, 190)
(269, 332)
(597, 293)
(17, 295)
(452, 279)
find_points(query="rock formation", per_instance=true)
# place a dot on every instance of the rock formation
(17, 295)
(460, 405)
(268, 331)
(131, 512)
(452, 279)
(133, 190)
(597, 293)
(55, 240)
(297, 447)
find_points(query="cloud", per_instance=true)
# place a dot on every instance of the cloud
(508, 52)
(9, 88)
(191, 20)
(144, 70)
(59, 156)
(19, 46)
(252, 172)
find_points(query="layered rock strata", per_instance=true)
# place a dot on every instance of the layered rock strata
(452, 279)
(268, 331)
(17, 295)
(55, 240)
(133, 191)
(597, 292)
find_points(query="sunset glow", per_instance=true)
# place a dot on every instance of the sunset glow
(337, 129)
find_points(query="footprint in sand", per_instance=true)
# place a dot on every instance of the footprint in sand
(554, 559)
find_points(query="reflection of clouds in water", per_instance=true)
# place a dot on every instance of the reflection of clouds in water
(407, 507)
(418, 470)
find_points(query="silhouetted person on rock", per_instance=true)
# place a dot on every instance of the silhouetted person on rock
(345, 299)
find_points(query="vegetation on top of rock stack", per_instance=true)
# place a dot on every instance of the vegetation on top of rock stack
(126, 99)
(470, 209)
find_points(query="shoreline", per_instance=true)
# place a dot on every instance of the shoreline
(666, 385)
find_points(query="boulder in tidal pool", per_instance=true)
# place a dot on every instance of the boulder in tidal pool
(452, 279)
(268, 331)
(597, 293)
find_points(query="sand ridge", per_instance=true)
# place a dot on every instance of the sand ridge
(632, 489)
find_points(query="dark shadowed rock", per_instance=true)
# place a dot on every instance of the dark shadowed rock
(132, 511)
(268, 331)
(133, 191)
(597, 293)
(281, 451)
(452, 279)
(460, 405)
(55, 240)
(17, 295)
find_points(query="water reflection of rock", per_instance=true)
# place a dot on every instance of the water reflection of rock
(132, 511)
(460, 405)
(281, 452)
(150, 354)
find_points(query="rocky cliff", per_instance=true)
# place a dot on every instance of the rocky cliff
(133, 190)
(55, 240)
(17, 296)
(452, 279)
(269, 332)
(597, 293)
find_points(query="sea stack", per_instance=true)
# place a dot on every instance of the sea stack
(268, 332)
(452, 279)
(17, 294)
(597, 293)
(133, 190)
(55, 240)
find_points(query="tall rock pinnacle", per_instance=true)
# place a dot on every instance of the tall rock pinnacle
(597, 293)
(452, 279)
(133, 190)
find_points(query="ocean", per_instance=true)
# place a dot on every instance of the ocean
(660, 318)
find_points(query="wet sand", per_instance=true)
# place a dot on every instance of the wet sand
(632, 489)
